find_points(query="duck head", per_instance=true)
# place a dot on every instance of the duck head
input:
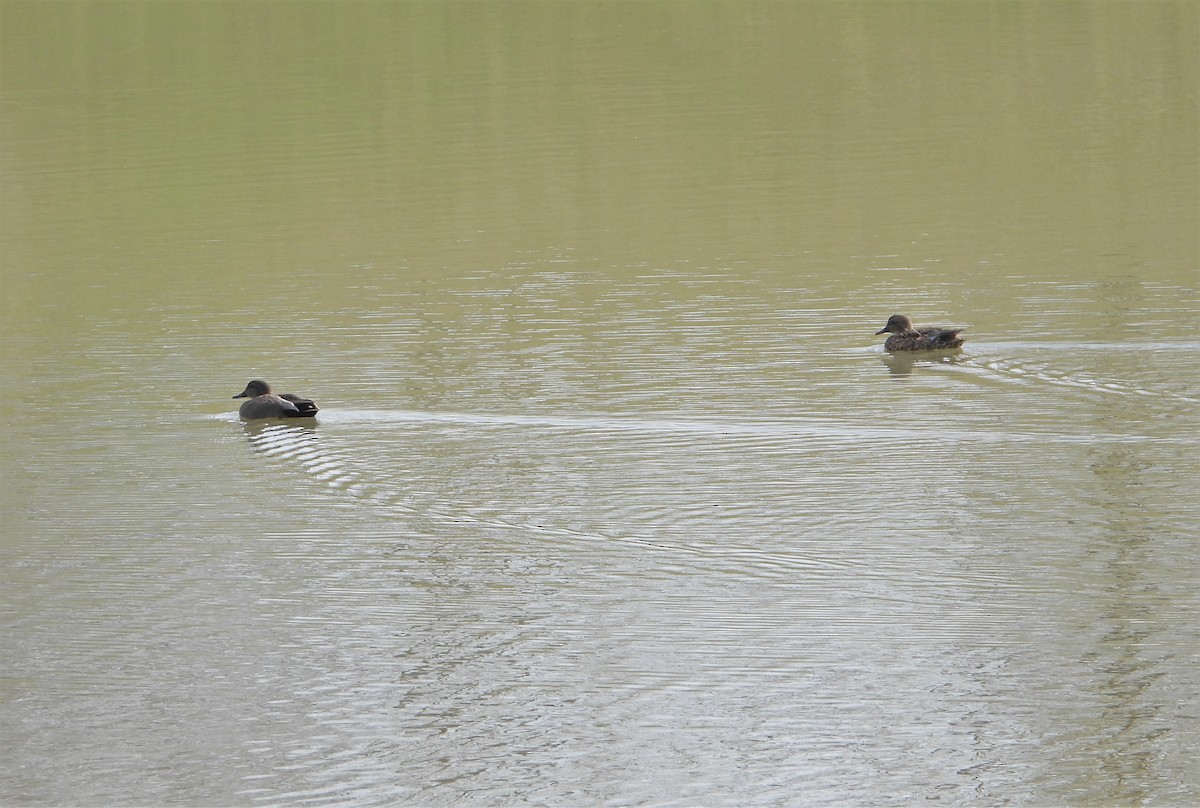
(896, 324)
(256, 388)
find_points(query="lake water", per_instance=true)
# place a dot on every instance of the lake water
(614, 497)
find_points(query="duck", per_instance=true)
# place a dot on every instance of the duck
(906, 337)
(264, 403)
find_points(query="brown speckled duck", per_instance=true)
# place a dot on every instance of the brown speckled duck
(265, 404)
(906, 337)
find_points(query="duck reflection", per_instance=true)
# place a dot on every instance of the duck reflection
(902, 364)
(281, 439)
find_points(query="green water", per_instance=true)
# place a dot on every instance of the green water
(613, 497)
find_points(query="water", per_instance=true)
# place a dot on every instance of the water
(613, 497)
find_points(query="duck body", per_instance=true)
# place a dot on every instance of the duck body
(263, 403)
(907, 337)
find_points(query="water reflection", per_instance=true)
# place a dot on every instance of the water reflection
(1127, 657)
(903, 364)
(284, 438)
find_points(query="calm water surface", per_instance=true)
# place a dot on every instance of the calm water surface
(614, 497)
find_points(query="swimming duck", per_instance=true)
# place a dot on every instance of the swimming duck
(905, 337)
(265, 404)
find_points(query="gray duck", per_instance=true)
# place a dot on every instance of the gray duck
(263, 403)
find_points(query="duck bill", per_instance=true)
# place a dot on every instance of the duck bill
(877, 333)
